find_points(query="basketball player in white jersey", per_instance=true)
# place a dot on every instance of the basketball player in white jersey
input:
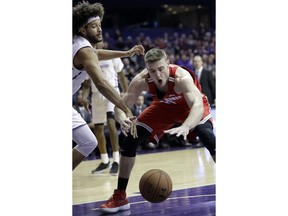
(86, 30)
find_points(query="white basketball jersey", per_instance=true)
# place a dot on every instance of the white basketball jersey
(110, 69)
(78, 76)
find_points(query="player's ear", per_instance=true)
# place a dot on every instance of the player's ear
(82, 30)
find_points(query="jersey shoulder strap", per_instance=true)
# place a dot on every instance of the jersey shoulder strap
(196, 81)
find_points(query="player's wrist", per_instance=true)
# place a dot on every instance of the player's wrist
(128, 53)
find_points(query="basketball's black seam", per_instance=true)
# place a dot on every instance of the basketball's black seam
(156, 189)
(143, 187)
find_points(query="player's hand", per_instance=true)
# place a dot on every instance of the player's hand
(181, 130)
(86, 104)
(129, 124)
(125, 125)
(137, 49)
(133, 130)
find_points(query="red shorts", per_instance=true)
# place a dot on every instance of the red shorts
(156, 118)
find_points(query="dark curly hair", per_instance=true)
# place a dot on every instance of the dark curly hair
(83, 11)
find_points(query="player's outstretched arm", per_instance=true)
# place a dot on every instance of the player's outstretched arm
(89, 61)
(137, 85)
(111, 54)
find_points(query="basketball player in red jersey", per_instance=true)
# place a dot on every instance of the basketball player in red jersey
(177, 99)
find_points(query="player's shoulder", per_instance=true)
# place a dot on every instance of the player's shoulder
(183, 77)
(181, 72)
(81, 44)
(80, 41)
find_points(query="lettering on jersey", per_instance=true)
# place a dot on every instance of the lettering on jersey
(76, 75)
(171, 100)
(103, 66)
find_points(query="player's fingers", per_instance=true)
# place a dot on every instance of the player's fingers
(126, 125)
(134, 131)
(185, 136)
(179, 133)
(124, 132)
(132, 118)
(136, 134)
(173, 131)
(142, 50)
(134, 128)
(168, 131)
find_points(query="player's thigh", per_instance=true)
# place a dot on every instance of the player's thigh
(77, 119)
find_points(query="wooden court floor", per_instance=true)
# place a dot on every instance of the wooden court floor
(192, 171)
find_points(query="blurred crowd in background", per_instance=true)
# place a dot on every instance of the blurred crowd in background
(181, 45)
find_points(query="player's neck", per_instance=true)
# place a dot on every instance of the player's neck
(161, 93)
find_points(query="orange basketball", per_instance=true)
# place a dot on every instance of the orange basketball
(155, 185)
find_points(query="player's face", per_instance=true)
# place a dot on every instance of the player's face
(159, 72)
(94, 32)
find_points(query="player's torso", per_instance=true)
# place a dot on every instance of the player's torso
(170, 99)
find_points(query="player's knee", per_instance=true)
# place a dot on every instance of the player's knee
(88, 146)
(130, 144)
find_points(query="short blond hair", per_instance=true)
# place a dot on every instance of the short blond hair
(154, 55)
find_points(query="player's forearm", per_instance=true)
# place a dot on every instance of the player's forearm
(111, 54)
(194, 116)
(112, 95)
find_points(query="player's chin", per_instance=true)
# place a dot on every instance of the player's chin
(99, 39)
(162, 84)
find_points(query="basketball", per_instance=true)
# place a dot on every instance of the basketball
(155, 185)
